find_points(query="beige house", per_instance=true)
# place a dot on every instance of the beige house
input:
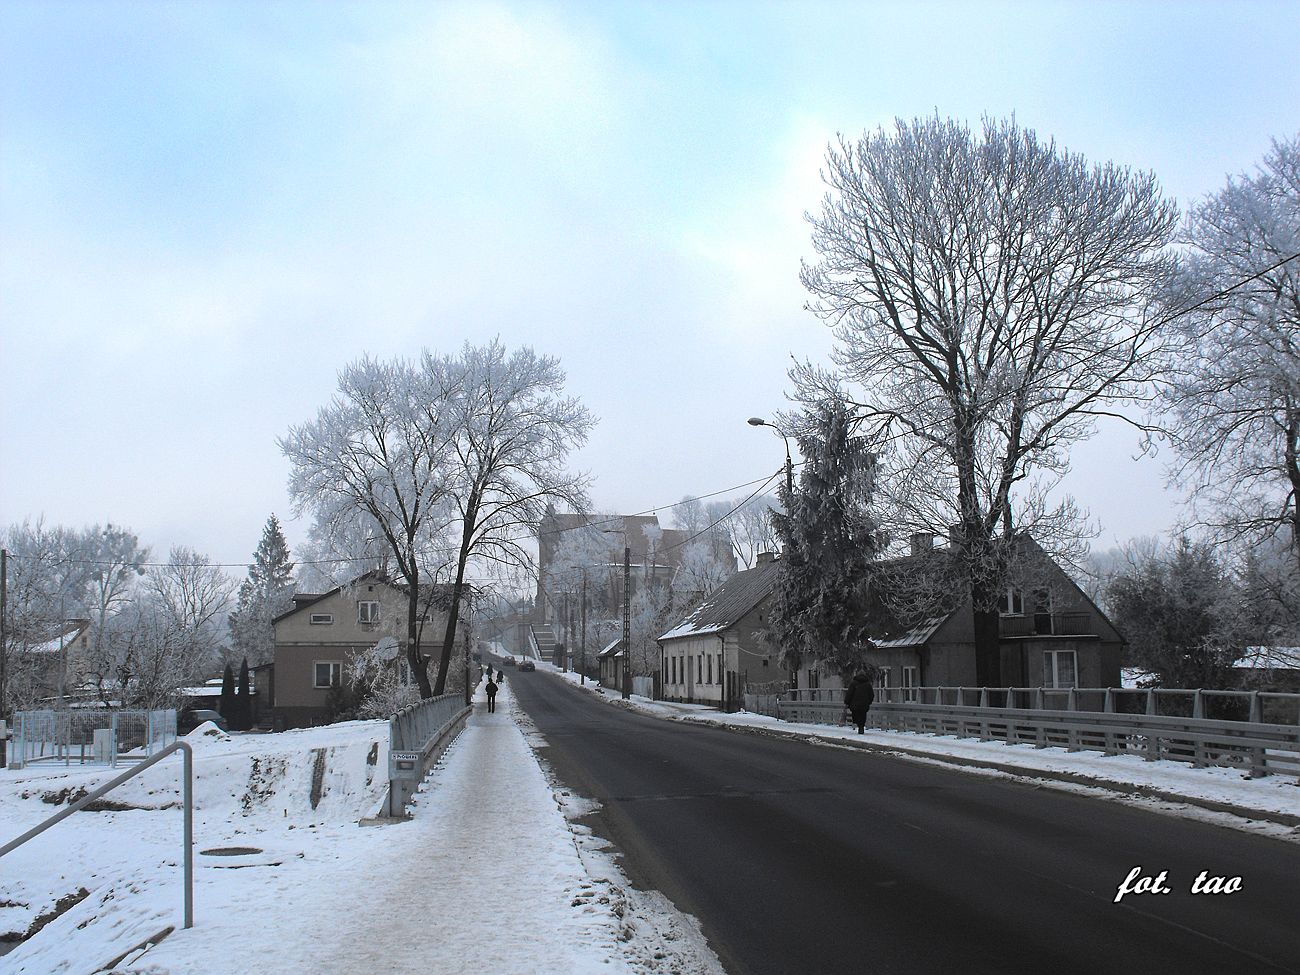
(711, 655)
(317, 640)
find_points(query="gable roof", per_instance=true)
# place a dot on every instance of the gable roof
(303, 600)
(60, 638)
(729, 604)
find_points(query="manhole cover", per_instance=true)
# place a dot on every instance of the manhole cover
(230, 851)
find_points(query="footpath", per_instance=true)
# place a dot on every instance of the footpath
(487, 875)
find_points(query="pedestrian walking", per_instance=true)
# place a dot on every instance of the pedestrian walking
(492, 694)
(501, 676)
(858, 698)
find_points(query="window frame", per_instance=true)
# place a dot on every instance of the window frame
(373, 619)
(1052, 669)
(335, 678)
(321, 619)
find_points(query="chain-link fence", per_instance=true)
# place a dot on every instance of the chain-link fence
(102, 736)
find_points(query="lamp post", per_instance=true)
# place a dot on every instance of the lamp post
(626, 682)
(758, 421)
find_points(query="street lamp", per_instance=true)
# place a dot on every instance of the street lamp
(626, 682)
(757, 421)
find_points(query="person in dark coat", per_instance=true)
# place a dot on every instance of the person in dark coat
(492, 694)
(858, 698)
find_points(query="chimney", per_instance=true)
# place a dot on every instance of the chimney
(922, 542)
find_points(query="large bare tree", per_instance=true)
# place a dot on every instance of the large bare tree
(991, 295)
(379, 453)
(514, 431)
(1235, 394)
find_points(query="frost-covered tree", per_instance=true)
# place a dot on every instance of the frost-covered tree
(1234, 397)
(116, 564)
(700, 572)
(48, 582)
(991, 296)
(267, 592)
(829, 539)
(376, 462)
(1180, 609)
(193, 598)
(514, 430)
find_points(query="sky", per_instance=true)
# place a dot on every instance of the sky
(208, 209)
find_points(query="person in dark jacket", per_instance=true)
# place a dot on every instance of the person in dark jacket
(492, 694)
(858, 698)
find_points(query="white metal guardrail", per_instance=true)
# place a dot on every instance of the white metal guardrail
(1259, 747)
(109, 786)
(417, 735)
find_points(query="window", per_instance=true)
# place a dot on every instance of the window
(1060, 668)
(710, 680)
(1011, 603)
(910, 680)
(674, 670)
(328, 673)
(322, 619)
(882, 678)
(719, 668)
(699, 668)
(814, 678)
(367, 611)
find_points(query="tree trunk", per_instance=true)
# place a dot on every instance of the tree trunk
(453, 611)
(414, 657)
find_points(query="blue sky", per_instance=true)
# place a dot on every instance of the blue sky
(208, 209)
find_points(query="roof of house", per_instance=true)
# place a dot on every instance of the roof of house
(303, 599)
(612, 649)
(917, 636)
(1269, 658)
(728, 604)
(62, 637)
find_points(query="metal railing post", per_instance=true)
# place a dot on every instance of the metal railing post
(86, 800)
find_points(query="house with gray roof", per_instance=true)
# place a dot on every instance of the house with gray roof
(711, 654)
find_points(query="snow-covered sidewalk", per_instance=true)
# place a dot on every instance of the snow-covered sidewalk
(488, 875)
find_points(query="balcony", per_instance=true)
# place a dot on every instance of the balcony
(1047, 624)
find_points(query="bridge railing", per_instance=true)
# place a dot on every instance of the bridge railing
(1261, 748)
(417, 735)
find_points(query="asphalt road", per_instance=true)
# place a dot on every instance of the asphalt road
(804, 858)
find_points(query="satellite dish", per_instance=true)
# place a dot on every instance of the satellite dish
(386, 649)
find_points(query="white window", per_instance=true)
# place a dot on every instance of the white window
(328, 673)
(910, 680)
(882, 678)
(322, 619)
(1011, 603)
(814, 678)
(1060, 668)
(367, 611)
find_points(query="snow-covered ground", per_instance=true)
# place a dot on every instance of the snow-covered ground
(490, 874)
(1173, 787)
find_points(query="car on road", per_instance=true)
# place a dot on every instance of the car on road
(527, 665)
(509, 661)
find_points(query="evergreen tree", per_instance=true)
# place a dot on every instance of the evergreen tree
(829, 540)
(267, 592)
(243, 716)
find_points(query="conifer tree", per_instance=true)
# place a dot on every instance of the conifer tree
(829, 539)
(267, 592)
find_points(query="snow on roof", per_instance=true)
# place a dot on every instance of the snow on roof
(62, 638)
(612, 649)
(914, 637)
(722, 610)
(1270, 658)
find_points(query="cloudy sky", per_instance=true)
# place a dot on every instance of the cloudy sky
(208, 209)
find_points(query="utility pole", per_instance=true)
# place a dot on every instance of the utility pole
(4, 645)
(627, 619)
(582, 637)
